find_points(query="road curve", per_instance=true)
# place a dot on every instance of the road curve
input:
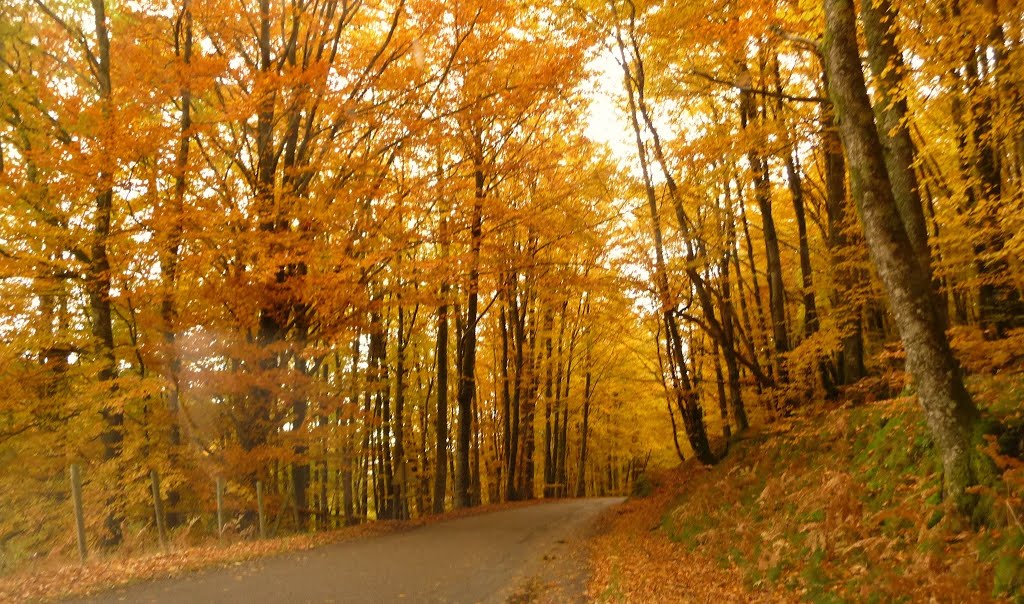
(485, 558)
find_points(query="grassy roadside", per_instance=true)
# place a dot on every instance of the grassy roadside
(634, 559)
(838, 505)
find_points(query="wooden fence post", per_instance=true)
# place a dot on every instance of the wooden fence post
(220, 508)
(158, 506)
(259, 509)
(76, 496)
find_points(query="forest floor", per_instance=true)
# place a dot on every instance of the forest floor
(837, 504)
(533, 552)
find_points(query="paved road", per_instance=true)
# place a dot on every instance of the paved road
(486, 558)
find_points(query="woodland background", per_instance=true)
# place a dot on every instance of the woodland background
(369, 254)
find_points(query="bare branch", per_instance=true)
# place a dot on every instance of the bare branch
(761, 91)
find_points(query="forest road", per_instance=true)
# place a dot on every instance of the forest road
(530, 554)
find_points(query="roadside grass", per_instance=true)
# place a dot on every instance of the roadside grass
(634, 560)
(613, 592)
(836, 505)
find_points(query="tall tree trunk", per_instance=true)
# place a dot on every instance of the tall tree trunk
(807, 278)
(301, 470)
(98, 282)
(687, 397)
(441, 419)
(811, 323)
(562, 403)
(549, 460)
(270, 329)
(743, 324)
(424, 470)
(518, 316)
(796, 190)
(172, 248)
(348, 459)
(951, 415)
(367, 427)
(531, 385)
(893, 116)
(581, 470)
(762, 323)
(507, 454)
(400, 504)
(668, 395)
(475, 480)
(723, 404)
(773, 257)
(730, 325)
(886, 61)
(467, 356)
(850, 362)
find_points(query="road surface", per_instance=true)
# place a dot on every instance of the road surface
(524, 554)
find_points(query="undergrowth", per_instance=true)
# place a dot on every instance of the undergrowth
(846, 505)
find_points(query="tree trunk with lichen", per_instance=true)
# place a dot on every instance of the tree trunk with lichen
(886, 64)
(952, 417)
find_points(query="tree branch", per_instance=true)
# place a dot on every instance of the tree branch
(761, 91)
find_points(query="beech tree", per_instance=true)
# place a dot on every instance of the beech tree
(377, 258)
(952, 416)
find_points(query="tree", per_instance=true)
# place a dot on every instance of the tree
(952, 417)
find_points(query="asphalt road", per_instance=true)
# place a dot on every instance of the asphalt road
(526, 554)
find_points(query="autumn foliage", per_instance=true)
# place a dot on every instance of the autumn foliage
(388, 258)
(230, 236)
